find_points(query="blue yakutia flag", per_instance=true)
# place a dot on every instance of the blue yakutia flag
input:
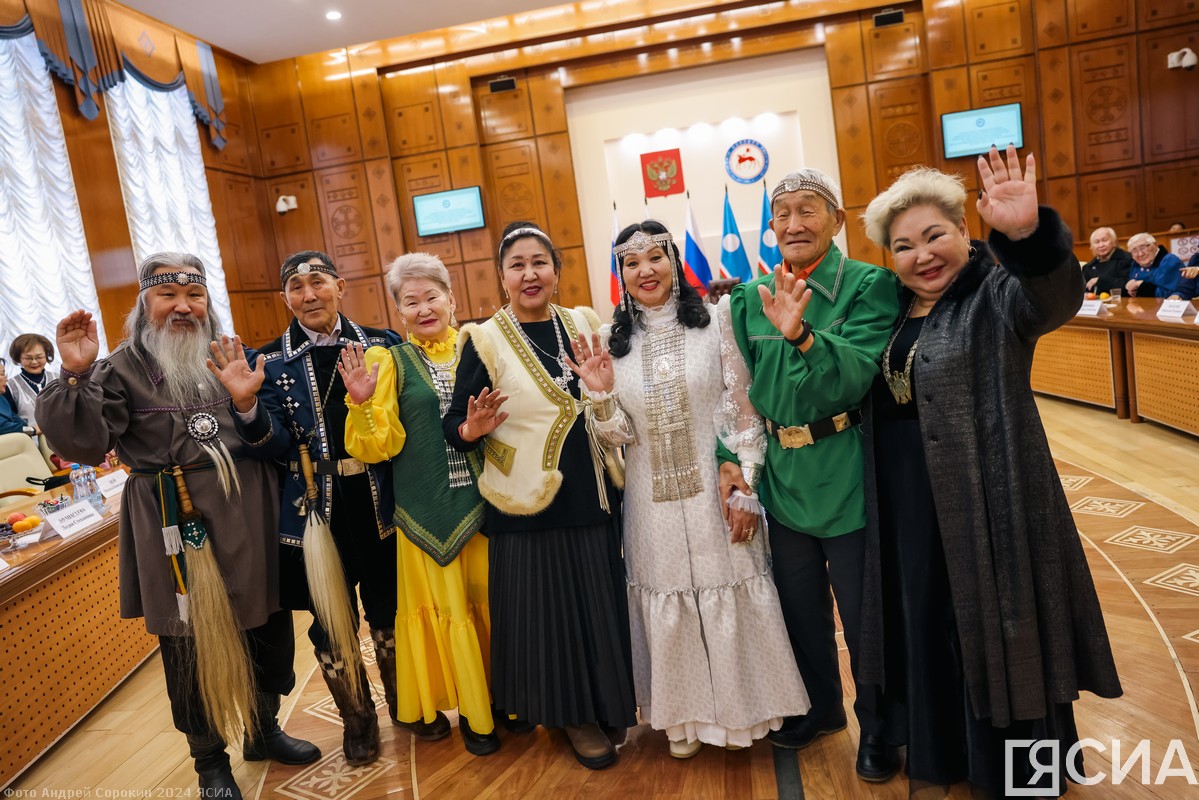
(695, 263)
(769, 255)
(734, 263)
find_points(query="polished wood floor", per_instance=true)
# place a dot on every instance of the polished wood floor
(1135, 493)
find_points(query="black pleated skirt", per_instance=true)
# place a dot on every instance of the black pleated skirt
(560, 650)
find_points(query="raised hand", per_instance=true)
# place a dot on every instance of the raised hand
(229, 365)
(592, 363)
(483, 414)
(78, 341)
(785, 308)
(360, 384)
(1009, 200)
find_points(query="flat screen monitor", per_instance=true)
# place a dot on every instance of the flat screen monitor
(971, 133)
(446, 212)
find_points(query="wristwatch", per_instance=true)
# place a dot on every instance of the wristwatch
(804, 333)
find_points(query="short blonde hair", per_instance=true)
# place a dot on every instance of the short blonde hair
(1138, 239)
(417, 266)
(922, 186)
(1111, 234)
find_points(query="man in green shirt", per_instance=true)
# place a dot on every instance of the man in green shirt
(812, 333)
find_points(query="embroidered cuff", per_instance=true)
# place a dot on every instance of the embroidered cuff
(75, 378)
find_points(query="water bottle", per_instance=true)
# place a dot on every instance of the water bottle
(78, 489)
(92, 487)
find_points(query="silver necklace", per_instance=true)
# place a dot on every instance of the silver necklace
(900, 383)
(563, 380)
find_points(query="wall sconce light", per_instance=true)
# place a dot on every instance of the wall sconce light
(1182, 59)
(285, 203)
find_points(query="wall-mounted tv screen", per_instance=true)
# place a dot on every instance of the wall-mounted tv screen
(971, 133)
(446, 212)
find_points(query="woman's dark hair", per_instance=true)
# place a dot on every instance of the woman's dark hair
(692, 311)
(544, 238)
(28, 340)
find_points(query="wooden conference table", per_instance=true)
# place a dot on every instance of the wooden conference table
(1129, 360)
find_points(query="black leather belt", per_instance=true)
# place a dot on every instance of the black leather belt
(344, 466)
(794, 436)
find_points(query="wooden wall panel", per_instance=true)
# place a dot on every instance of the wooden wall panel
(368, 104)
(945, 29)
(300, 228)
(329, 111)
(561, 197)
(422, 175)
(998, 28)
(385, 210)
(855, 147)
(1050, 16)
(844, 52)
(1062, 194)
(413, 111)
(1092, 19)
(1112, 199)
(857, 244)
(574, 287)
(1012, 80)
(485, 294)
(466, 169)
(514, 176)
(282, 137)
(366, 302)
(240, 153)
(1169, 98)
(264, 317)
(899, 114)
(1057, 114)
(503, 116)
(346, 219)
(547, 101)
(1171, 195)
(1107, 128)
(896, 50)
(950, 92)
(457, 104)
(1158, 13)
(243, 231)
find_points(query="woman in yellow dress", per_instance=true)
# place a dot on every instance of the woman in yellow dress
(396, 398)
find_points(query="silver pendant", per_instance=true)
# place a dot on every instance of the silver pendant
(203, 427)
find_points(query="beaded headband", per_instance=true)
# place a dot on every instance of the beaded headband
(305, 268)
(518, 232)
(640, 242)
(793, 184)
(181, 278)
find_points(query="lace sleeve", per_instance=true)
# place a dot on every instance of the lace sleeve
(612, 426)
(738, 423)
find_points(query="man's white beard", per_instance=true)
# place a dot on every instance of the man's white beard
(182, 357)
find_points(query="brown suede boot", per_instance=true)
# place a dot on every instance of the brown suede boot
(592, 747)
(360, 739)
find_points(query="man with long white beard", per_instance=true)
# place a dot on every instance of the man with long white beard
(198, 559)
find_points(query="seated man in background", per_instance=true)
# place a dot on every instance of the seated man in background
(1109, 268)
(1156, 271)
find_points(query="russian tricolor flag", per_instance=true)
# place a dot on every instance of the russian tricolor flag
(695, 263)
(613, 279)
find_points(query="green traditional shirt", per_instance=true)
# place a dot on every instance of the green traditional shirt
(817, 489)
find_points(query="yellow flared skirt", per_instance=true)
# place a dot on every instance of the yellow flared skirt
(443, 635)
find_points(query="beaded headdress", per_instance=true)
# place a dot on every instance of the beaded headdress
(181, 278)
(641, 242)
(808, 180)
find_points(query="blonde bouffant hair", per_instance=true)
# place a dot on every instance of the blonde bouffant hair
(922, 186)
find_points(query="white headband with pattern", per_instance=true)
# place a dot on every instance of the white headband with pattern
(181, 278)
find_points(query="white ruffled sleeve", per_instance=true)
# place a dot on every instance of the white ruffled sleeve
(738, 423)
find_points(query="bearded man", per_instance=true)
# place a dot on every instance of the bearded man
(198, 559)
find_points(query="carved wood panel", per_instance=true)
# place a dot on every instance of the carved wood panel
(346, 219)
(1010, 81)
(895, 50)
(1171, 196)
(998, 28)
(950, 92)
(844, 52)
(368, 105)
(1107, 128)
(574, 287)
(1114, 199)
(561, 196)
(264, 317)
(1169, 97)
(300, 228)
(855, 147)
(1057, 113)
(421, 175)
(457, 104)
(514, 176)
(547, 101)
(329, 111)
(1091, 19)
(503, 116)
(385, 210)
(466, 169)
(366, 302)
(857, 244)
(1062, 194)
(282, 138)
(242, 227)
(483, 287)
(413, 111)
(1158, 13)
(899, 114)
(1050, 16)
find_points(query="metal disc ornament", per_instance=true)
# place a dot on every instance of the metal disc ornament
(203, 427)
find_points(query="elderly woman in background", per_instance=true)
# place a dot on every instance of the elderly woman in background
(980, 619)
(1156, 272)
(33, 353)
(396, 398)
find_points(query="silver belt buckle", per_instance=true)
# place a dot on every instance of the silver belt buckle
(350, 466)
(795, 436)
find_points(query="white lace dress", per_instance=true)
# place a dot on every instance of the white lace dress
(711, 657)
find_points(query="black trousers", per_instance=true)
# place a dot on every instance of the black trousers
(272, 649)
(804, 568)
(369, 562)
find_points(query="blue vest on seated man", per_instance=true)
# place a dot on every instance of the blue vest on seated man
(302, 401)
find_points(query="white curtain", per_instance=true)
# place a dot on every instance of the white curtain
(162, 179)
(45, 271)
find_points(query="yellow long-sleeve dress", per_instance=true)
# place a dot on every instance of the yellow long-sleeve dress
(442, 617)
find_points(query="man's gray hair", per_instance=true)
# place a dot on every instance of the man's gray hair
(812, 180)
(138, 319)
(1111, 234)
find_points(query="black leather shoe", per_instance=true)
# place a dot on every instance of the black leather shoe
(439, 728)
(517, 725)
(271, 742)
(212, 768)
(877, 760)
(806, 731)
(478, 744)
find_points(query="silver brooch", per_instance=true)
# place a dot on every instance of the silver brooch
(203, 427)
(183, 279)
(304, 269)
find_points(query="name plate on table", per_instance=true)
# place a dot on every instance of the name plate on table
(1090, 308)
(113, 483)
(1174, 309)
(3, 565)
(73, 519)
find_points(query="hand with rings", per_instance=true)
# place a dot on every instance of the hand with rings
(483, 414)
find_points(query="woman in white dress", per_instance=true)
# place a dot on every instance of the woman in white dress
(711, 659)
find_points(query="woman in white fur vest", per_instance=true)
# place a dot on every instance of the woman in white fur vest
(559, 616)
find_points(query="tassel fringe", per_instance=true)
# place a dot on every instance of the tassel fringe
(327, 588)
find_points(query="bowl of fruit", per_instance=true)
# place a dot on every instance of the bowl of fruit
(21, 529)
